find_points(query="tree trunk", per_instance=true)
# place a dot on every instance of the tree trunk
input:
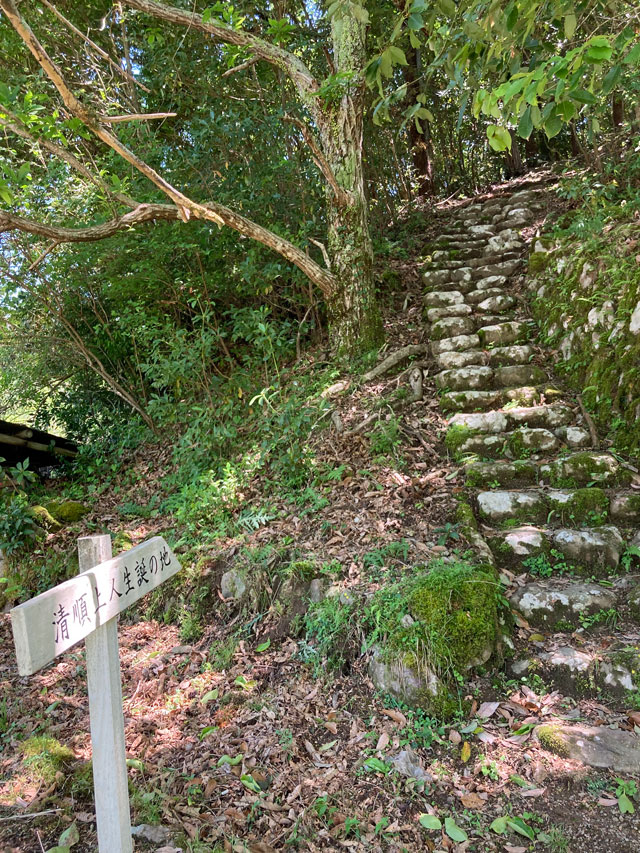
(355, 324)
(617, 110)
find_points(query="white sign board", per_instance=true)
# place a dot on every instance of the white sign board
(86, 607)
(51, 623)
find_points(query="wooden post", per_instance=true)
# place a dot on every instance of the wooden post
(107, 721)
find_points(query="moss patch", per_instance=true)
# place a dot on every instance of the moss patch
(44, 519)
(44, 757)
(67, 512)
(550, 738)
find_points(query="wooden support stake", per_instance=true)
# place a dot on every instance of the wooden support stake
(107, 718)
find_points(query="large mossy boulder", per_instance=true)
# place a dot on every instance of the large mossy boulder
(450, 626)
(66, 512)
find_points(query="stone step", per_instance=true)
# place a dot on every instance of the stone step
(549, 416)
(521, 443)
(497, 357)
(502, 334)
(502, 264)
(488, 378)
(456, 309)
(557, 603)
(584, 671)
(480, 401)
(558, 507)
(457, 343)
(595, 551)
(575, 471)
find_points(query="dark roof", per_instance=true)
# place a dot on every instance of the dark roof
(19, 442)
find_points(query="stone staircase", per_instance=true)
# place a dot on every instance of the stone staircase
(556, 513)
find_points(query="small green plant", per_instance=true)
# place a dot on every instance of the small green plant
(625, 791)
(607, 617)
(448, 531)
(17, 525)
(221, 653)
(489, 768)
(629, 556)
(386, 438)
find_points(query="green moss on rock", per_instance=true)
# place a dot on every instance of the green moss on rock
(45, 756)
(550, 738)
(458, 606)
(67, 512)
(45, 519)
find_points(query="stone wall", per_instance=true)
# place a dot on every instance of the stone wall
(586, 300)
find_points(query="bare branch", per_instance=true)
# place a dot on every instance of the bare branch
(138, 117)
(289, 62)
(165, 212)
(93, 45)
(251, 61)
(342, 197)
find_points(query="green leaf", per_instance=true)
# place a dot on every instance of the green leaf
(448, 7)
(135, 763)
(512, 17)
(58, 849)
(525, 125)
(625, 804)
(397, 55)
(209, 697)
(611, 78)
(377, 766)
(566, 110)
(552, 126)
(414, 40)
(360, 13)
(499, 825)
(453, 830)
(70, 836)
(386, 63)
(499, 137)
(415, 22)
(570, 23)
(430, 821)
(583, 96)
(263, 646)
(227, 759)
(519, 826)
(599, 49)
(633, 56)
(207, 731)
(250, 783)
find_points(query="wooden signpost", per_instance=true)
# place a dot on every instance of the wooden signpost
(86, 607)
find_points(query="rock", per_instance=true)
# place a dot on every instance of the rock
(407, 763)
(400, 680)
(549, 415)
(502, 333)
(525, 541)
(44, 519)
(496, 303)
(633, 601)
(634, 323)
(475, 297)
(336, 389)
(440, 298)
(484, 474)
(570, 670)
(525, 441)
(458, 309)
(457, 343)
(154, 834)
(318, 589)
(625, 508)
(489, 283)
(599, 746)
(451, 327)
(584, 468)
(233, 585)
(574, 436)
(482, 231)
(501, 506)
(465, 378)
(519, 374)
(595, 547)
(615, 675)
(453, 360)
(545, 603)
(66, 512)
(587, 275)
(485, 422)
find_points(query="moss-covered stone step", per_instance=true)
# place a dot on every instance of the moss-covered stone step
(594, 551)
(487, 378)
(474, 297)
(480, 401)
(457, 343)
(457, 309)
(548, 416)
(577, 470)
(451, 327)
(581, 672)
(557, 602)
(557, 507)
(503, 334)
(521, 443)
(497, 357)
(443, 298)
(508, 262)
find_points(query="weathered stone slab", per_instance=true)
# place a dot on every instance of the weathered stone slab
(595, 746)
